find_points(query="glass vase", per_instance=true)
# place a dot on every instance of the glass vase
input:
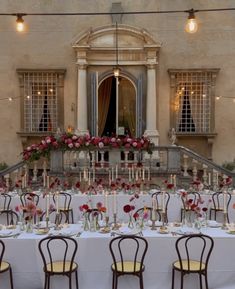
(86, 226)
(187, 218)
(130, 223)
(29, 226)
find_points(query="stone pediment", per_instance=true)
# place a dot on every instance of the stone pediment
(104, 37)
(135, 46)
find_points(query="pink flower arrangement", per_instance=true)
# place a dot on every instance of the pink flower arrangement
(69, 141)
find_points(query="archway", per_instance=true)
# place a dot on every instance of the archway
(116, 107)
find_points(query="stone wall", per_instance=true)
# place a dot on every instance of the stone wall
(47, 43)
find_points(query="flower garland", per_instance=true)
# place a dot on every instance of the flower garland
(69, 141)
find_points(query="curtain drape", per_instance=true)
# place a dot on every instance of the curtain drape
(186, 118)
(129, 102)
(103, 103)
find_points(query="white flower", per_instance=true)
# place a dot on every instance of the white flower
(101, 145)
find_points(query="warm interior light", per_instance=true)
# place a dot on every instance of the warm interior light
(191, 25)
(19, 23)
(116, 72)
(10, 98)
(217, 98)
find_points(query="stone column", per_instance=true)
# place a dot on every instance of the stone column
(151, 113)
(82, 126)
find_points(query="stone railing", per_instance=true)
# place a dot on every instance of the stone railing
(170, 162)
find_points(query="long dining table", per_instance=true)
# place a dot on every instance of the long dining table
(121, 199)
(94, 261)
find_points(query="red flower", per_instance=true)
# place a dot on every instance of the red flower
(85, 207)
(127, 208)
(170, 186)
(136, 215)
(77, 185)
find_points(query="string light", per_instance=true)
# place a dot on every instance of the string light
(20, 22)
(218, 97)
(191, 25)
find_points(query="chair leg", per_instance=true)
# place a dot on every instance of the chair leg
(113, 283)
(173, 279)
(45, 282)
(76, 276)
(11, 278)
(70, 281)
(200, 278)
(116, 281)
(181, 280)
(141, 281)
(206, 281)
(72, 216)
(210, 215)
(48, 282)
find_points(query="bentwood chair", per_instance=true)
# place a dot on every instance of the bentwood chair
(218, 205)
(94, 212)
(159, 198)
(65, 202)
(58, 253)
(128, 253)
(8, 217)
(190, 199)
(5, 266)
(140, 212)
(29, 197)
(5, 201)
(193, 257)
(55, 218)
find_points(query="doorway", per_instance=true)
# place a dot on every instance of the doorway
(116, 107)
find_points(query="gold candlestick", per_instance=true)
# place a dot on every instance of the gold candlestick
(47, 223)
(224, 226)
(153, 219)
(107, 222)
(57, 221)
(163, 218)
(115, 225)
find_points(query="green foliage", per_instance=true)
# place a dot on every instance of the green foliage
(229, 165)
(3, 166)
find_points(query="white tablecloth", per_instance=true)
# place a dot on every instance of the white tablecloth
(174, 207)
(94, 262)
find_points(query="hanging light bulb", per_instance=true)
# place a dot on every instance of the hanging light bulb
(191, 25)
(19, 23)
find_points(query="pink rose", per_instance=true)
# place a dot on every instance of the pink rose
(70, 145)
(101, 145)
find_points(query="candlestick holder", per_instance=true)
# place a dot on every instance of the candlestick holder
(224, 226)
(115, 224)
(106, 222)
(153, 219)
(163, 218)
(47, 222)
(57, 216)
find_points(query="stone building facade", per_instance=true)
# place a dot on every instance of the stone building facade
(58, 70)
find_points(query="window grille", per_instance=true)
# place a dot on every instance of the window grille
(40, 100)
(192, 101)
